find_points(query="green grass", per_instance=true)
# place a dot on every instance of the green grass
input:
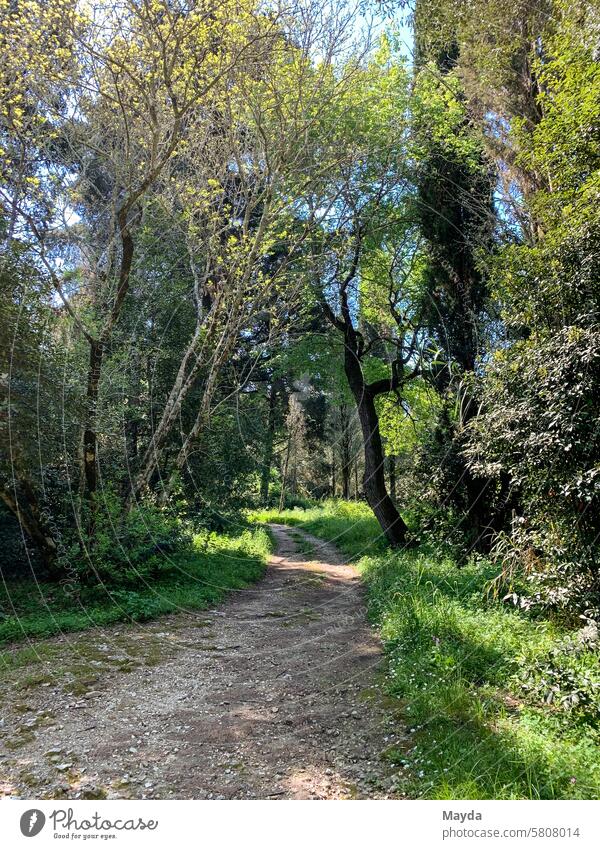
(498, 704)
(350, 525)
(192, 579)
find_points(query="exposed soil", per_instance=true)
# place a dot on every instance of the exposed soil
(275, 694)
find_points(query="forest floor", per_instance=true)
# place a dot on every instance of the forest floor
(274, 694)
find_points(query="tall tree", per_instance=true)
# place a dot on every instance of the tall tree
(366, 263)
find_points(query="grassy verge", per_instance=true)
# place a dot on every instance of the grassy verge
(191, 579)
(497, 704)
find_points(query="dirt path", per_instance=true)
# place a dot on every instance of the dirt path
(271, 695)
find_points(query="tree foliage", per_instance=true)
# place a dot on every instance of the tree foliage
(252, 255)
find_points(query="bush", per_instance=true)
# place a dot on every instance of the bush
(194, 578)
(453, 507)
(539, 426)
(568, 677)
(128, 548)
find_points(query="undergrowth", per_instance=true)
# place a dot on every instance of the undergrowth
(197, 576)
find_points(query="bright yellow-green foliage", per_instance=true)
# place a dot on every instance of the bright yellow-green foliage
(121, 81)
(35, 38)
(335, 120)
(440, 111)
(564, 148)
(403, 426)
(554, 276)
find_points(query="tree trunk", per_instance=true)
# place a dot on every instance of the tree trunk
(202, 418)
(284, 473)
(267, 461)
(345, 482)
(376, 493)
(392, 524)
(346, 459)
(27, 513)
(133, 422)
(90, 439)
(97, 348)
(184, 380)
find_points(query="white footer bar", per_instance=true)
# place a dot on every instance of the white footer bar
(310, 824)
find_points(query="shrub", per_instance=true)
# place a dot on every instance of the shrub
(539, 426)
(568, 677)
(129, 548)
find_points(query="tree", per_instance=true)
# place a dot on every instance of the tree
(143, 119)
(32, 366)
(457, 219)
(366, 262)
(118, 120)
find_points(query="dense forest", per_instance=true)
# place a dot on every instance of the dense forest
(271, 256)
(256, 258)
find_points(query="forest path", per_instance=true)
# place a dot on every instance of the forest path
(274, 694)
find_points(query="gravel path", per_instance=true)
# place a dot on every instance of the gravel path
(272, 695)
